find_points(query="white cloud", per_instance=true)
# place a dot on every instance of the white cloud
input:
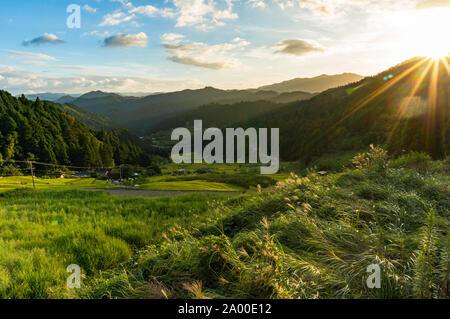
(30, 55)
(171, 38)
(20, 81)
(125, 3)
(151, 11)
(148, 10)
(97, 33)
(33, 63)
(335, 7)
(203, 14)
(68, 67)
(298, 47)
(116, 18)
(43, 39)
(426, 4)
(126, 40)
(88, 8)
(214, 57)
(257, 3)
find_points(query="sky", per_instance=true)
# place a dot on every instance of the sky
(130, 46)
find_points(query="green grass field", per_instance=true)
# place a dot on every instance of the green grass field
(177, 183)
(206, 182)
(26, 182)
(43, 232)
(194, 177)
(306, 237)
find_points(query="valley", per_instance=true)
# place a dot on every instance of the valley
(364, 179)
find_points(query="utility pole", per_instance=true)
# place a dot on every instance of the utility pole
(32, 174)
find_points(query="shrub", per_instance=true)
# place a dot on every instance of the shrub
(425, 261)
(416, 160)
(10, 170)
(375, 160)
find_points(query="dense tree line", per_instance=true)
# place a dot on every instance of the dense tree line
(40, 131)
(378, 110)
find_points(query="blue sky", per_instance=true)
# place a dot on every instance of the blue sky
(166, 45)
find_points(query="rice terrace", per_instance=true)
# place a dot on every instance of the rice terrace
(316, 167)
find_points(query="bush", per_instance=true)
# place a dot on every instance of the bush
(415, 160)
(10, 170)
(376, 160)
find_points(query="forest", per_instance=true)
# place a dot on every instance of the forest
(41, 131)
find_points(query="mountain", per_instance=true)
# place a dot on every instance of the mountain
(141, 114)
(313, 85)
(48, 96)
(404, 108)
(107, 104)
(41, 131)
(223, 115)
(91, 120)
(66, 99)
(217, 115)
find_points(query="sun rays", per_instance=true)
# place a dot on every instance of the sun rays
(424, 71)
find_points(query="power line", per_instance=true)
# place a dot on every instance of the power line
(57, 165)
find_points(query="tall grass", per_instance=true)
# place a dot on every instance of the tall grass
(43, 232)
(309, 237)
(306, 237)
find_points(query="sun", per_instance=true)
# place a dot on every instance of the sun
(435, 47)
(438, 55)
(420, 33)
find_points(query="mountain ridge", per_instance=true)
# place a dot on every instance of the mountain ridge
(42, 131)
(316, 84)
(395, 108)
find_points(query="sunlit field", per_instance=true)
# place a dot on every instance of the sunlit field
(308, 236)
(179, 184)
(313, 137)
(43, 232)
(26, 182)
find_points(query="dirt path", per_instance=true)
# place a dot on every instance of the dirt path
(158, 193)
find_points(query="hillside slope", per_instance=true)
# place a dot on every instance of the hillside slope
(308, 237)
(41, 131)
(218, 115)
(140, 114)
(91, 120)
(313, 85)
(404, 108)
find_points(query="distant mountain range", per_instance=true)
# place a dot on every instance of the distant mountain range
(313, 85)
(52, 97)
(143, 113)
(140, 114)
(68, 98)
(404, 108)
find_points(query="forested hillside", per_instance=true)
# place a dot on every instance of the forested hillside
(141, 114)
(91, 120)
(404, 108)
(218, 115)
(40, 131)
(313, 85)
